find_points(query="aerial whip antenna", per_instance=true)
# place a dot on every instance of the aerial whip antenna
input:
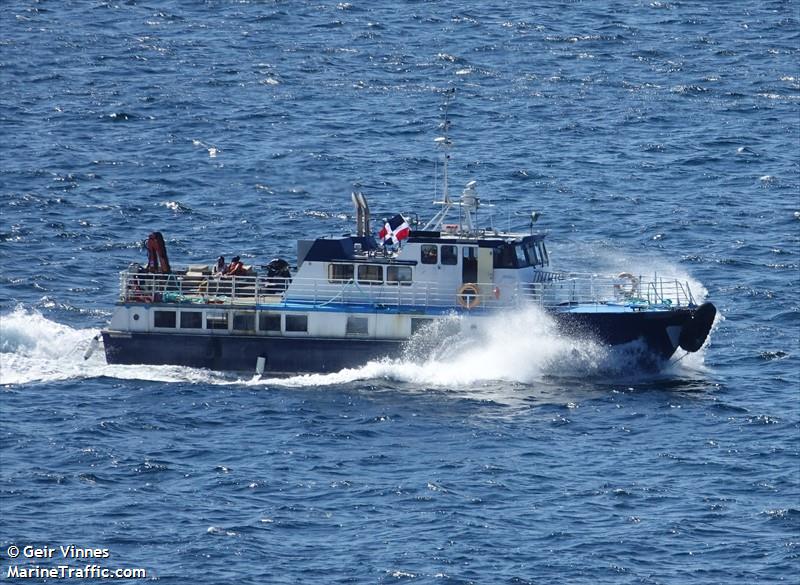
(445, 143)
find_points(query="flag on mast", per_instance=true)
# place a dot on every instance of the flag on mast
(394, 230)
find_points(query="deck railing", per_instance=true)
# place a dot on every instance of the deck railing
(549, 289)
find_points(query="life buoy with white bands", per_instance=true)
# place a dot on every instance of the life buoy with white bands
(468, 296)
(629, 288)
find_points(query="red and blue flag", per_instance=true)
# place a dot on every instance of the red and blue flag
(394, 230)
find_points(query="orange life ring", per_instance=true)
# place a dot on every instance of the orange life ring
(468, 296)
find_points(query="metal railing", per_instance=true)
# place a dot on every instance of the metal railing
(549, 289)
(558, 288)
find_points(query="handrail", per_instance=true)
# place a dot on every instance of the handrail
(548, 289)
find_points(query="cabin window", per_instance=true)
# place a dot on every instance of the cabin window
(530, 253)
(191, 320)
(340, 273)
(370, 274)
(357, 325)
(449, 255)
(217, 320)
(543, 253)
(429, 254)
(269, 323)
(522, 261)
(297, 323)
(504, 257)
(164, 319)
(244, 321)
(398, 275)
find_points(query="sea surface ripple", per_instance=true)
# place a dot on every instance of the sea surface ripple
(655, 136)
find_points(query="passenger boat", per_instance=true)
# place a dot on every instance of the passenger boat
(356, 298)
(360, 297)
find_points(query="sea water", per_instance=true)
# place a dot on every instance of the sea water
(653, 137)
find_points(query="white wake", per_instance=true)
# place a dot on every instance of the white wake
(35, 349)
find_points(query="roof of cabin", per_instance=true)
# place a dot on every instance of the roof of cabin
(344, 248)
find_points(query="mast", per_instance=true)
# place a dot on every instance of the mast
(469, 201)
(445, 143)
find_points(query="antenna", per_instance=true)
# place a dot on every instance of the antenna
(445, 143)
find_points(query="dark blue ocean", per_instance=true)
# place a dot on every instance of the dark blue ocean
(655, 136)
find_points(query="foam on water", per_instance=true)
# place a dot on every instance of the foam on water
(34, 349)
(520, 347)
(523, 347)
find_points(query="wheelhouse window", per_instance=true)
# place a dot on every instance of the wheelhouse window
(340, 273)
(429, 254)
(522, 261)
(530, 253)
(165, 319)
(191, 320)
(398, 275)
(370, 274)
(297, 323)
(536, 253)
(450, 255)
(244, 322)
(543, 253)
(504, 257)
(269, 323)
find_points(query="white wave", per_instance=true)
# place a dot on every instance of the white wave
(35, 349)
(521, 347)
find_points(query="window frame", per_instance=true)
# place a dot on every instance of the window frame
(521, 256)
(531, 254)
(214, 319)
(159, 314)
(454, 257)
(289, 320)
(191, 314)
(262, 319)
(357, 326)
(247, 315)
(397, 281)
(425, 257)
(370, 281)
(332, 278)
